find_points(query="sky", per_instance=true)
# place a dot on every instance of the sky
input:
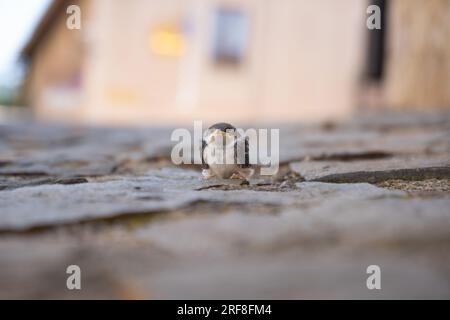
(17, 21)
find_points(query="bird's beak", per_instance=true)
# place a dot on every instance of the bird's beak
(218, 133)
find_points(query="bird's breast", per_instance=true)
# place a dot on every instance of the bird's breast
(221, 161)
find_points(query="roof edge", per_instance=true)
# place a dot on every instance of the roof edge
(54, 9)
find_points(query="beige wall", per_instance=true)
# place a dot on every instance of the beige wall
(418, 73)
(52, 72)
(302, 62)
(312, 58)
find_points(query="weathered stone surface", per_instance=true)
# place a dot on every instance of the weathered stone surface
(54, 150)
(406, 168)
(110, 201)
(158, 191)
(363, 140)
(422, 187)
(317, 251)
(359, 223)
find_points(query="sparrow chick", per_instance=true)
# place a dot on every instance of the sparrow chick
(225, 154)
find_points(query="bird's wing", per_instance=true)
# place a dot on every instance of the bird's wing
(242, 145)
(204, 163)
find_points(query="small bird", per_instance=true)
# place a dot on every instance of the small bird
(222, 147)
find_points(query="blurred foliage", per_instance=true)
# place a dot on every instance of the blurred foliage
(9, 96)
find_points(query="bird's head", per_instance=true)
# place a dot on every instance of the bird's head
(221, 134)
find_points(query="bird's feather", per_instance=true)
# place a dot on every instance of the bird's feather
(204, 163)
(246, 148)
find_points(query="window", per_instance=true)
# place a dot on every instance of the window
(230, 36)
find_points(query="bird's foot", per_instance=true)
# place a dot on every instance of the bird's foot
(244, 181)
(245, 173)
(207, 174)
(236, 176)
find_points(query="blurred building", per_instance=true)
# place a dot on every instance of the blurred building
(155, 61)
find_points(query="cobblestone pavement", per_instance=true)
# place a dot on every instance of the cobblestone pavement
(374, 190)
